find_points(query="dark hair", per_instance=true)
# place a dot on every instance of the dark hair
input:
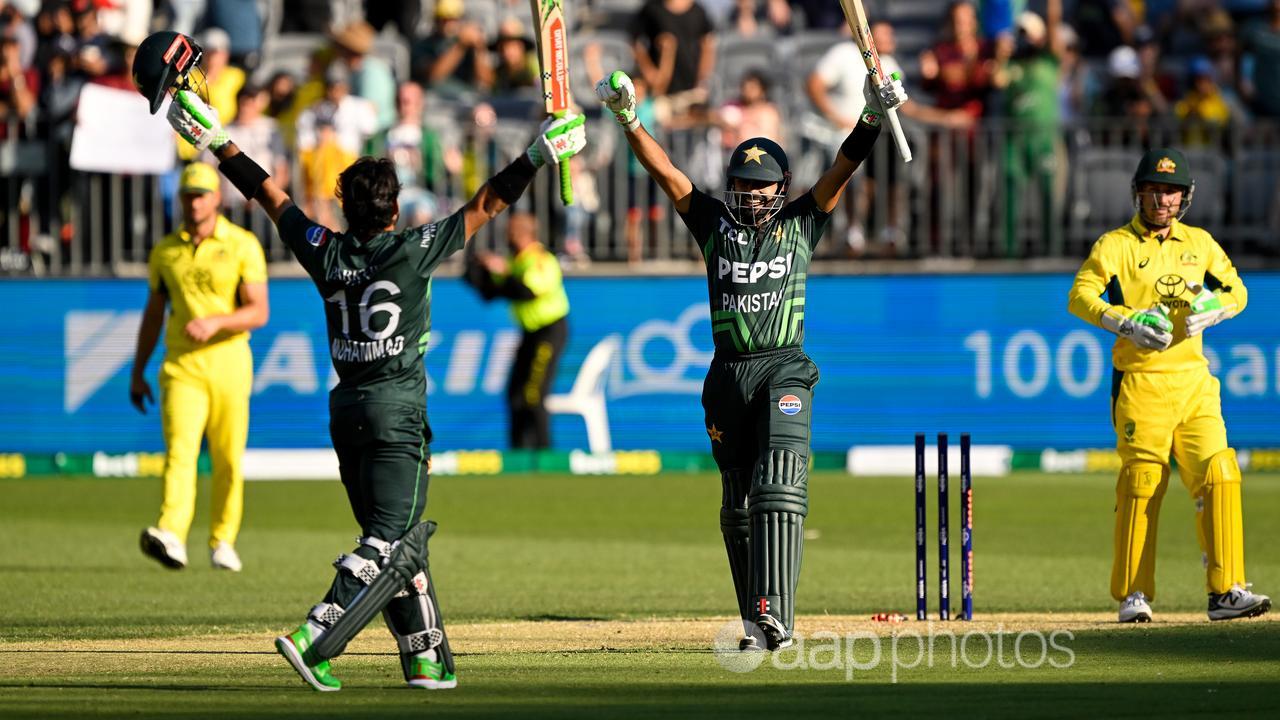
(368, 190)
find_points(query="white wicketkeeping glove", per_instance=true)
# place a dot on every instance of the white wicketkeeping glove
(195, 121)
(1207, 310)
(1148, 329)
(558, 139)
(882, 98)
(618, 94)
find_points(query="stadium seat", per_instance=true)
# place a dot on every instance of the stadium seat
(1255, 195)
(735, 55)
(291, 53)
(1101, 177)
(1209, 209)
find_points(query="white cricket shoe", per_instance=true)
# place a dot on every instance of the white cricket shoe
(224, 557)
(1135, 609)
(1238, 602)
(164, 547)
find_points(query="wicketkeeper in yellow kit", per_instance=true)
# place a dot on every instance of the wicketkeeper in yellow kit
(213, 276)
(1158, 284)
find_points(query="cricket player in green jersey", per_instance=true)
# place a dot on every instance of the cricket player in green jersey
(376, 287)
(759, 389)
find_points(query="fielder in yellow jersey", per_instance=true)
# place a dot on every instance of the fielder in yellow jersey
(213, 277)
(1158, 284)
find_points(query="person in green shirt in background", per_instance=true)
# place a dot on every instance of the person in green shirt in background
(532, 281)
(1030, 78)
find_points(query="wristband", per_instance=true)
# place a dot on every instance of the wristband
(245, 174)
(510, 182)
(861, 139)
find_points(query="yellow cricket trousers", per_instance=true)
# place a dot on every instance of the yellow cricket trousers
(205, 392)
(1178, 413)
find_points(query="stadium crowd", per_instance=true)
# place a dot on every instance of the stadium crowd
(306, 86)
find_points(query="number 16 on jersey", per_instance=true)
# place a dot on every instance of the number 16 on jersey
(553, 60)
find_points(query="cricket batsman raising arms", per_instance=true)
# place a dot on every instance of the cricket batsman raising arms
(1158, 284)
(759, 388)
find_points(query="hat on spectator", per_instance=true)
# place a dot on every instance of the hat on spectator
(512, 29)
(215, 39)
(1123, 62)
(1032, 25)
(354, 37)
(199, 177)
(449, 9)
(1143, 35)
(1201, 66)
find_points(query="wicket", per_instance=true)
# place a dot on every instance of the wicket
(944, 546)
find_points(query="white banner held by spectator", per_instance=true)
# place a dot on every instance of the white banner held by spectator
(115, 134)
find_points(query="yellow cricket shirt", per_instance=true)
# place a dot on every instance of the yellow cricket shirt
(203, 280)
(538, 270)
(1130, 267)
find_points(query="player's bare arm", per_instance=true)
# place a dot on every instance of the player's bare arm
(618, 93)
(148, 336)
(856, 148)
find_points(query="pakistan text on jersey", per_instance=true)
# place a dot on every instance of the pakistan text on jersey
(750, 303)
(352, 351)
(741, 272)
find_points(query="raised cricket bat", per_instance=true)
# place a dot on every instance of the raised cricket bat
(553, 61)
(857, 17)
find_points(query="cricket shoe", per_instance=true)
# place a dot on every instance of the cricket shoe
(1238, 602)
(292, 647)
(1135, 609)
(164, 547)
(225, 557)
(426, 672)
(754, 639)
(776, 636)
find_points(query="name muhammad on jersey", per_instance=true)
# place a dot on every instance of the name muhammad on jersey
(380, 344)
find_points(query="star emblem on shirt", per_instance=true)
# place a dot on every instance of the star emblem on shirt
(715, 434)
(754, 153)
(777, 234)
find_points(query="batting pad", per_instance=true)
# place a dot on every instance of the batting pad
(735, 526)
(1221, 522)
(1139, 490)
(777, 505)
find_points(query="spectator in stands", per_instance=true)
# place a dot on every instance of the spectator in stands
(94, 45)
(1261, 75)
(821, 14)
(1159, 84)
(418, 155)
(259, 137)
(452, 60)
(750, 114)
(674, 49)
(307, 92)
(19, 86)
(761, 18)
(516, 66)
(837, 95)
(185, 15)
(404, 15)
(243, 23)
(352, 118)
(281, 89)
(55, 32)
(321, 164)
(958, 69)
(222, 79)
(1104, 25)
(1033, 148)
(371, 76)
(117, 68)
(1203, 110)
(13, 24)
(1126, 98)
(309, 16)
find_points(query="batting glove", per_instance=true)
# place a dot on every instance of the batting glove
(195, 121)
(559, 139)
(1148, 329)
(618, 94)
(1207, 310)
(882, 98)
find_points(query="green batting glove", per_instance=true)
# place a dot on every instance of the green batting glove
(1207, 310)
(618, 94)
(559, 139)
(195, 121)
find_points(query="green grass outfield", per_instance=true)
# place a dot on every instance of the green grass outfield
(601, 596)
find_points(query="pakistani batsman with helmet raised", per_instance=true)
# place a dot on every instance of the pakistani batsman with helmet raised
(1158, 283)
(758, 393)
(376, 284)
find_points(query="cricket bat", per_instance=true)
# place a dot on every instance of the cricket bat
(857, 17)
(553, 61)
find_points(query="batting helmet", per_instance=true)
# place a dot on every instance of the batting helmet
(1167, 166)
(164, 60)
(759, 160)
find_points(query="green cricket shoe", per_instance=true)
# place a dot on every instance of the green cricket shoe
(292, 646)
(430, 674)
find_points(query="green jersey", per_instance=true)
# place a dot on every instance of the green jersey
(756, 276)
(377, 295)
